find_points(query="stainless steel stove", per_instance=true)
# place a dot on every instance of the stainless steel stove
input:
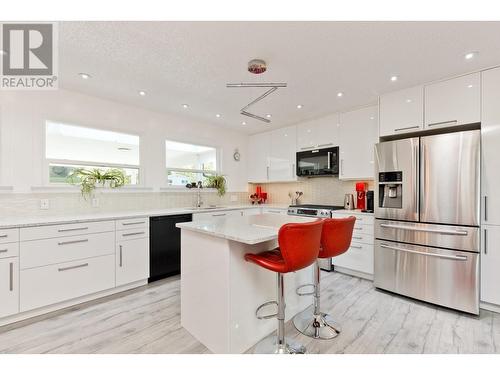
(313, 210)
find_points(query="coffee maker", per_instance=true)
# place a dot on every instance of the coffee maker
(361, 188)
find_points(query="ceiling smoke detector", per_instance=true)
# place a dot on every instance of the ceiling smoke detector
(257, 66)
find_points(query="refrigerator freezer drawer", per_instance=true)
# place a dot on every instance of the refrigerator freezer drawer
(444, 277)
(445, 236)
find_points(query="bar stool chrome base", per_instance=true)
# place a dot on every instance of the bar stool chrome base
(270, 346)
(321, 326)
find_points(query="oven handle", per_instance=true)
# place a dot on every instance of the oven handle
(329, 160)
(452, 257)
(440, 231)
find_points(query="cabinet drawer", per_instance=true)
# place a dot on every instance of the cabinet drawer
(57, 250)
(139, 222)
(132, 234)
(8, 250)
(360, 237)
(360, 219)
(9, 286)
(363, 229)
(61, 230)
(47, 285)
(9, 235)
(359, 258)
(216, 215)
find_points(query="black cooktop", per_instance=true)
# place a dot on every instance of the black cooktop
(318, 206)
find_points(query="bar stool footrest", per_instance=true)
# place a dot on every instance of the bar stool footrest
(300, 293)
(269, 303)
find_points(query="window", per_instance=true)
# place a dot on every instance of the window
(68, 147)
(189, 163)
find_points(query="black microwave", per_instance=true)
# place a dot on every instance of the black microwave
(318, 162)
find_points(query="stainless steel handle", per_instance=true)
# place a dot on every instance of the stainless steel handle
(4, 235)
(132, 234)
(4, 250)
(485, 241)
(486, 208)
(440, 231)
(134, 223)
(267, 172)
(73, 229)
(72, 267)
(358, 228)
(293, 170)
(219, 214)
(407, 128)
(357, 237)
(342, 167)
(356, 246)
(11, 276)
(326, 144)
(329, 160)
(307, 148)
(443, 123)
(274, 211)
(452, 257)
(121, 255)
(72, 242)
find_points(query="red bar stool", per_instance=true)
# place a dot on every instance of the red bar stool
(335, 240)
(299, 245)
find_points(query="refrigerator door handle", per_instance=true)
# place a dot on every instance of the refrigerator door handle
(451, 257)
(416, 229)
(485, 208)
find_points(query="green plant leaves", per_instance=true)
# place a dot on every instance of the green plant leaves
(87, 179)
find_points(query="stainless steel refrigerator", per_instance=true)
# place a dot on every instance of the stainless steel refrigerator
(427, 210)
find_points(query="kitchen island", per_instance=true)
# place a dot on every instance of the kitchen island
(220, 291)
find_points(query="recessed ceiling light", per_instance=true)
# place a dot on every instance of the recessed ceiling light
(243, 123)
(185, 106)
(142, 93)
(470, 86)
(299, 106)
(269, 115)
(2, 52)
(470, 55)
(394, 78)
(217, 115)
(340, 94)
(84, 75)
(408, 100)
(372, 118)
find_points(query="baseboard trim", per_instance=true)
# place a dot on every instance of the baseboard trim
(350, 272)
(489, 307)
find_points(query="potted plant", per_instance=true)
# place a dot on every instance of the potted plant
(88, 179)
(217, 182)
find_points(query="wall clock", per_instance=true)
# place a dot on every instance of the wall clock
(236, 155)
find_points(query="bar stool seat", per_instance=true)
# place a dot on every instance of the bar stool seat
(299, 245)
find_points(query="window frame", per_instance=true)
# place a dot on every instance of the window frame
(218, 164)
(71, 162)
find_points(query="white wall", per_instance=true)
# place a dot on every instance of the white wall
(22, 124)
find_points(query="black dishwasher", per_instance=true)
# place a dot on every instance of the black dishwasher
(165, 246)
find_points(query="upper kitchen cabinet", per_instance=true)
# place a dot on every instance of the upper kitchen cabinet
(402, 111)
(453, 102)
(318, 133)
(282, 154)
(358, 134)
(259, 147)
(490, 144)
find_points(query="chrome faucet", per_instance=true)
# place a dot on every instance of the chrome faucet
(199, 202)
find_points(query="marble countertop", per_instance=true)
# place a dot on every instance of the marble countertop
(246, 229)
(19, 222)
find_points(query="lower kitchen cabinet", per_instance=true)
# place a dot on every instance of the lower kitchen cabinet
(490, 264)
(132, 261)
(9, 286)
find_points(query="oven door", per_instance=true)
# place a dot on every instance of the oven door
(318, 162)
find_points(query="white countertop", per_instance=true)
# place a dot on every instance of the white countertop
(353, 212)
(18, 222)
(250, 230)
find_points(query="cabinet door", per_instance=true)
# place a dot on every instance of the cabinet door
(132, 261)
(328, 131)
(358, 134)
(9, 286)
(490, 264)
(402, 111)
(308, 135)
(490, 144)
(453, 102)
(282, 155)
(258, 152)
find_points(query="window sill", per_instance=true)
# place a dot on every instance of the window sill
(173, 189)
(74, 189)
(6, 189)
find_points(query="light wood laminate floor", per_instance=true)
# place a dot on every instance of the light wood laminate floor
(147, 320)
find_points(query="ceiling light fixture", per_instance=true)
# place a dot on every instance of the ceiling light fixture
(2, 52)
(269, 115)
(217, 115)
(243, 123)
(142, 93)
(408, 100)
(340, 94)
(84, 75)
(470, 55)
(299, 106)
(185, 106)
(394, 78)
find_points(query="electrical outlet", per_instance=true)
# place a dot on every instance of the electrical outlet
(234, 198)
(95, 202)
(44, 204)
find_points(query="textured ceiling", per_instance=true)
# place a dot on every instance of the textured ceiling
(191, 62)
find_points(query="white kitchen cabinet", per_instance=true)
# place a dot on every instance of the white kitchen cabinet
(490, 146)
(318, 133)
(251, 211)
(9, 286)
(259, 146)
(216, 214)
(132, 260)
(402, 111)
(282, 154)
(358, 134)
(278, 211)
(490, 264)
(453, 102)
